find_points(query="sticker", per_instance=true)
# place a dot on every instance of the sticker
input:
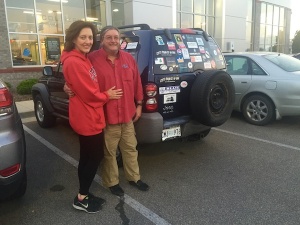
(171, 69)
(202, 50)
(168, 53)
(179, 51)
(190, 38)
(159, 61)
(123, 45)
(171, 45)
(213, 64)
(207, 65)
(159, 40)
(169, 79)
(196, 58)
(183, 67)
(207, 55)
(163, 67)
(183, 84)
(215, 52)
(178, 38)
(199, 41)
(132, 45)
(171, 61)
(185, 53)
(179, 59)
(170, 98)
(192, 45)
(194, 52)
(190, 65)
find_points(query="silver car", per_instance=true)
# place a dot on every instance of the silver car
(13, 177)
(267, 85)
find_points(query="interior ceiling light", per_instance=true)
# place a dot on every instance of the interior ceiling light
(63, 1)
(116, 10)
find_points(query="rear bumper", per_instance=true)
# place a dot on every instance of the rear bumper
(150, 126)
(12, 152)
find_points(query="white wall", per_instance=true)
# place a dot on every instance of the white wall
(156, 13)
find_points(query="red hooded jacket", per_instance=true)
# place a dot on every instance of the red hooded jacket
(86, 114)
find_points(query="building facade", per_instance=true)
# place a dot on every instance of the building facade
(32, 31)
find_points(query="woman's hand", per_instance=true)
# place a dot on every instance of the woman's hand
(68, 91)
(114, 93)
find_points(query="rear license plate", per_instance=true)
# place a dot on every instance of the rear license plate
(171, 133)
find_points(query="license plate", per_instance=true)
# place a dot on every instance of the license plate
(171, 133)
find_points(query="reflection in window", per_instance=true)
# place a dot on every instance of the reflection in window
(50, 19)
(187, 5)
(51, 48)
(24, 49)
(199, 7)
(117, 7)
(21, 20)
(186, 20)
(72, 11)
(95, 11)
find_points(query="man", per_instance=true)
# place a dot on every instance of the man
(118, 68)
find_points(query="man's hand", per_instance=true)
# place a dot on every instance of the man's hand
(68, 91)
(138, 113)
(114, 93)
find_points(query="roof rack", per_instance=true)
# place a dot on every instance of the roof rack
(142, 26)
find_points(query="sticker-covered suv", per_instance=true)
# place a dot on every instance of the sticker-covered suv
(186, 88)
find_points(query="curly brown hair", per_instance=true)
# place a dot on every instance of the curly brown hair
(73, 32)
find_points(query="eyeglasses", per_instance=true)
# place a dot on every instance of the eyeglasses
(112, 38)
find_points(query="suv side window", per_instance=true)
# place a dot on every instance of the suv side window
(185, 53)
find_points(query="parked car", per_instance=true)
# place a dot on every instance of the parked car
(267, 85)
(297, 56)
(186, 88)
(13, 177)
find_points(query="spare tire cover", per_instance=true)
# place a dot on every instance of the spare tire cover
(212, 97)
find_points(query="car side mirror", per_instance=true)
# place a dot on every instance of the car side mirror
(48, 71)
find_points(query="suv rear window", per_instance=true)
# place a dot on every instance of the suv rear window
(185, 53)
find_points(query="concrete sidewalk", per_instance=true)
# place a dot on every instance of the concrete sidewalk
(25, 106)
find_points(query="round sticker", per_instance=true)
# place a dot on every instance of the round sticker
(179, 52)
(184, 84)
(123, 45)
(171, 69)
(190, 65)
(163, 67)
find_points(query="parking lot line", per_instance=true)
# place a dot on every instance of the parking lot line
(153, 217)
(258, 139)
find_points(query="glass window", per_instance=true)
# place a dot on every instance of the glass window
(237, 65)
(51, 48)
(187, 5)
(186, 20)
(199, 6)
(282, 17)
(269, 14)
(275, 35)
(268, 34)
(50, 19)
(24, 49)
(117, 13)
(276, 16)
(256, 70)
(21, 20)
(249, 36)
(249, 10)
(199, 22)
(263, 14)
(211, 7)
(20, 4)
(285, 62)
(95, 11)
(72, 11)
(210, 27)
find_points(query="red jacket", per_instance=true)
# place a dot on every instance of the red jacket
(86, 114)
(124, 75)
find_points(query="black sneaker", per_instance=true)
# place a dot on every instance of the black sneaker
(86, 205)
(117, 190)
(98, 200)
(140, 185)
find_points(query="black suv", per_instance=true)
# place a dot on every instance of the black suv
(186, 88)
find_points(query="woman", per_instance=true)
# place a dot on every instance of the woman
(85, 109)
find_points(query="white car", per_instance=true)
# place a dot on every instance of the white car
(267, 85)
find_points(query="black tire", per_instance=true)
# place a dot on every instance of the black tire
(22, 188)
(212, 98)
(44, 118)
(258, 110)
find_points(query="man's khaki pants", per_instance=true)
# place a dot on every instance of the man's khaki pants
(122, 135)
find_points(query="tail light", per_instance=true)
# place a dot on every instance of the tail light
(150, 98)
(10, 170)
(6, 101)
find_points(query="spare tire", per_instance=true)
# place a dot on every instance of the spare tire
(212, 97)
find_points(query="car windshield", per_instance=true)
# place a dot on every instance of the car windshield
(285, 62)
